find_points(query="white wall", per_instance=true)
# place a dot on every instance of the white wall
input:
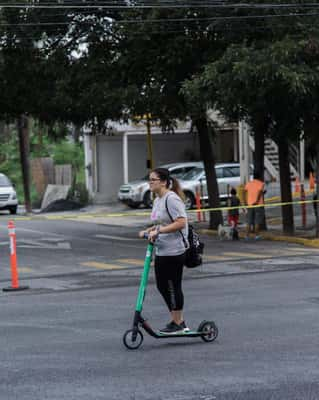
(109, 156)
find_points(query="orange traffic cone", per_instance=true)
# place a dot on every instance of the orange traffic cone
(297, 185)
(311, 181)
(13, 258)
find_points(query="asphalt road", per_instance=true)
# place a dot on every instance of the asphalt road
(47, 248)
(62, 338)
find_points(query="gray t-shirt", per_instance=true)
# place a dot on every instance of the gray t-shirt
(169, 244)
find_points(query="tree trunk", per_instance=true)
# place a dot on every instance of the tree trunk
(259, 154)
(206, 149)
(259, 159)
(285, 187)
(76, 133)
(23, 132)
(317, 189)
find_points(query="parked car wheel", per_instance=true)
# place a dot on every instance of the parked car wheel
(13, 210)
(189, 200)
(133, 204)
(147, 199)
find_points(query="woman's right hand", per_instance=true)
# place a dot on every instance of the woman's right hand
(152, 235)
(141, 234)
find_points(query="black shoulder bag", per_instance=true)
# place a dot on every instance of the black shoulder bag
(193, 254)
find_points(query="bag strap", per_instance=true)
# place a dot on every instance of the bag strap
(166, 205)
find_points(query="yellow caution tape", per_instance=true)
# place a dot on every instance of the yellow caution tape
(256, 206)
(267, 204)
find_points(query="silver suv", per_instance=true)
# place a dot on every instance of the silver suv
(228, 176)
(8, 195)
(138, 192)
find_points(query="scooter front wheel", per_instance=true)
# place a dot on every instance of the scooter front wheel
(210, 330)
(132, 339)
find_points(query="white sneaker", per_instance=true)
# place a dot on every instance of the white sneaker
(183, 325)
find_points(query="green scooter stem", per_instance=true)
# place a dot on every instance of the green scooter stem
(144, 279)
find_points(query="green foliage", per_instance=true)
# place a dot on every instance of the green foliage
(66, 152)
(41, 145)
(275, 81)
(271, 82)
(253, 68)
(79, 193)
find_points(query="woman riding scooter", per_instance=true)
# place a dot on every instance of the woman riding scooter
(169, 234)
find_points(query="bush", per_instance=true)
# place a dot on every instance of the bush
(62, 151)
(79, 193)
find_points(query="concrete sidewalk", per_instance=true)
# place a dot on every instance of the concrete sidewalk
(302, 235)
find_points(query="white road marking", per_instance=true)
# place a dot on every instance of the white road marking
(115, 237)
(18, 228)
(31, 244)
(51, 240)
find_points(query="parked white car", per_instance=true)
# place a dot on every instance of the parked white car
(8, 195)
(228, 176)
(138, 192)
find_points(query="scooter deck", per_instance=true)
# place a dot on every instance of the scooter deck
(180, 334)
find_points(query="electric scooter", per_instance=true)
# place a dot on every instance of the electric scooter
(133, 338)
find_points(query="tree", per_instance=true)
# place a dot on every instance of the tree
(267, 86)
(39, 74)
(310, 110)
(154, 62)
(136, 61)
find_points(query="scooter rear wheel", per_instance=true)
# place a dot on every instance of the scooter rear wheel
(210, 329)
(131, 342)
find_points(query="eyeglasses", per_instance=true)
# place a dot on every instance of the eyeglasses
(154, 179)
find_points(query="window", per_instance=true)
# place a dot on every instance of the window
(4, 181)
(180, 172)
(219, 173)
(227, 173)
(234, 171)
(177, 172)
(193, 174)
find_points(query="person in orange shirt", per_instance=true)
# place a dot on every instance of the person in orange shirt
(255, 196)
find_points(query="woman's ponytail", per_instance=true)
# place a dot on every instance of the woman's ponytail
(176, 187)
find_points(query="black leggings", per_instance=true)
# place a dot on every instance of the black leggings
(169, 274)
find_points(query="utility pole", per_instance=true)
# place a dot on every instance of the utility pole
(243, 159)
(243, 152)
(24, 146)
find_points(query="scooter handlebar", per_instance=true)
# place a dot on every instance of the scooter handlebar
(147, 237)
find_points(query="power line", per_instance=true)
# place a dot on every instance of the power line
(168, 5)
(160, 20)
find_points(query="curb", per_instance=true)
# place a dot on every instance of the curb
(292, 239)
(279, 238)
